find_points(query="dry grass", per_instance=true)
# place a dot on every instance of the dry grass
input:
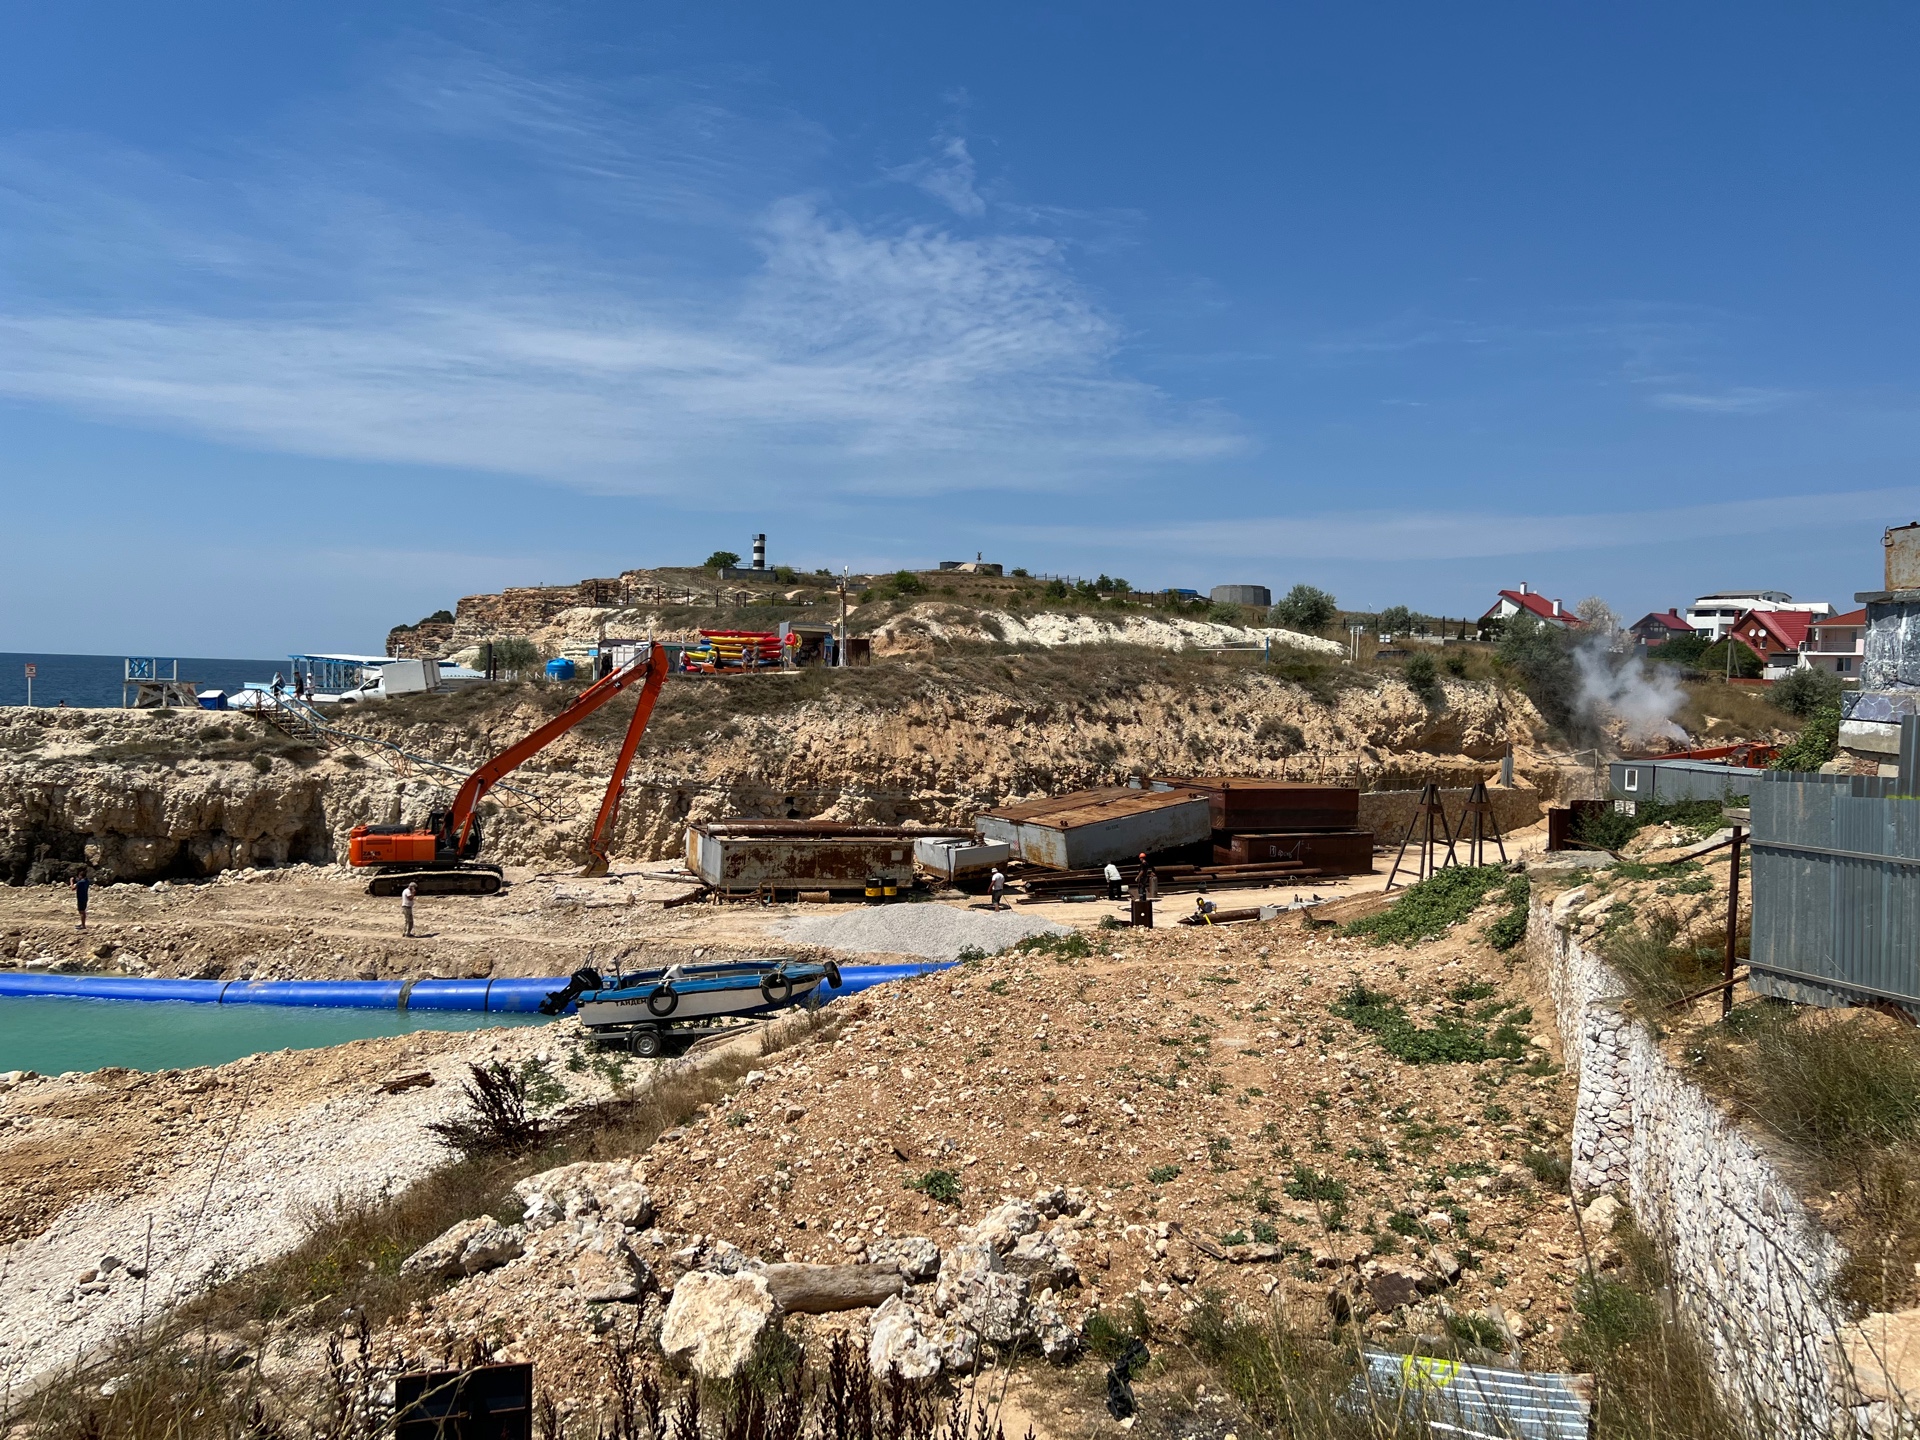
(1744, 713)
(1843, 1092)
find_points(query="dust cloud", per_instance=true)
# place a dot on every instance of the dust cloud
(1613, 687)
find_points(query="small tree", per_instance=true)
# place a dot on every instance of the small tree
(722, 560)
(1806, 690)
(1419, 673)
(1394, 620)
(1056, 590)
(905, 582)
(1305, 607)
(1541, 655)
(515, 655)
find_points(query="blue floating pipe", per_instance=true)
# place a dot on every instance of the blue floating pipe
(332, 994)
(503, 997)
(110, 987)
(447, 995)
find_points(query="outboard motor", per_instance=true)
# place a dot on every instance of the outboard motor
(582, 980)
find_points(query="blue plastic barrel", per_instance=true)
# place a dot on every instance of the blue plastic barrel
(561, 669)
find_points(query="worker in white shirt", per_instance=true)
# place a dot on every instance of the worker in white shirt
(1113, 881)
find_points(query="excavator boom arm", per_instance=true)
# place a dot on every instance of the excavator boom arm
(474, 789)
(603, 823)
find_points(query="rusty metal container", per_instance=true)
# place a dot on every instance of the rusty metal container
(1090, 827)
(1343, 852)
(1903, 557)
(761, 855)
(1247, 804)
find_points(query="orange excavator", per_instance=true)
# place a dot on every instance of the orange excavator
(441, 859)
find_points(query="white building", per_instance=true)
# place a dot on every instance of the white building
(1837, 644)
(1711, 616)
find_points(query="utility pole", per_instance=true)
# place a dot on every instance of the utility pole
(843, 618)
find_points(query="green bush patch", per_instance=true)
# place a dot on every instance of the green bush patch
(1448, 1041)
(1426, 910)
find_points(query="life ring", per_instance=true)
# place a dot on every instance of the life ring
(833, 975)
(663, 1001)
(776, 987)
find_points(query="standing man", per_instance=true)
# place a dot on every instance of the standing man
(996, 886)
(406, 906)
(81, 885)
(1113, 881)
(1147, 881)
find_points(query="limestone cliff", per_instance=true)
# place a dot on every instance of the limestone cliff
(936, 739)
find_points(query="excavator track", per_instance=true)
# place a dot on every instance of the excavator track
(476, 881)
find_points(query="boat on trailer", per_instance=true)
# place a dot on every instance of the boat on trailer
(645, 1003)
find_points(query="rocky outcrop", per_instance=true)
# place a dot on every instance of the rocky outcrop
(609, 1190)
(714, 1321)
(481, 1243)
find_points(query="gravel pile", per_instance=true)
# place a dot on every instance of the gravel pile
(931, 930)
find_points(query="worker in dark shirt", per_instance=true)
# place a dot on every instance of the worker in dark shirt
(81, 885)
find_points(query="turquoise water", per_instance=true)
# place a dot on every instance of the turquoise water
(53, 1035)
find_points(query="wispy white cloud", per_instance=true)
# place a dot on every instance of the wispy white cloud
(1737, 400)
(1388, 536)
(743, 340)
(948, 176)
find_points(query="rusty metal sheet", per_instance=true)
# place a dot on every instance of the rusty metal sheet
(1087, 807)
(1250, 803)
(797, 862)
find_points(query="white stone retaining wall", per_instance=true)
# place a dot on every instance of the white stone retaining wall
(1751, 1270)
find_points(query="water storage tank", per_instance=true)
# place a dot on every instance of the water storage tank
(561, 669)
(1241, 595)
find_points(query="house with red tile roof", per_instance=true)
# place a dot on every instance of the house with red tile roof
(1659, 626)
(1776, 636)
(1524, 600)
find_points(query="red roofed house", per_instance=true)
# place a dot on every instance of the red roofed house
(1837, 643)
(1513, 602)
(1776, 636)
(1659, 627)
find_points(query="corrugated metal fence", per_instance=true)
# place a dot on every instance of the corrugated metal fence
(1836, 889)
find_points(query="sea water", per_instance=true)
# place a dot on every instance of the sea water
(54, 1034)
(94, 681)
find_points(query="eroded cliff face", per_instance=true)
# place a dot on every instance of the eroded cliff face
(141, 797)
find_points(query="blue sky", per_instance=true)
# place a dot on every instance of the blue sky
(314, 318)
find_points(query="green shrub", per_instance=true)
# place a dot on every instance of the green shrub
(1056, 590)
(1425, 910)
(1815, 745)
(1305, 607)
(1541, 656)
(905, 582)
(940, 1186)
(1548, 1168)
(1163, 1174)
(1422, 677)
(1449, 1041)
(1805, 691)
(1074, 946)
(1329, 1192)
(1509, 928)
